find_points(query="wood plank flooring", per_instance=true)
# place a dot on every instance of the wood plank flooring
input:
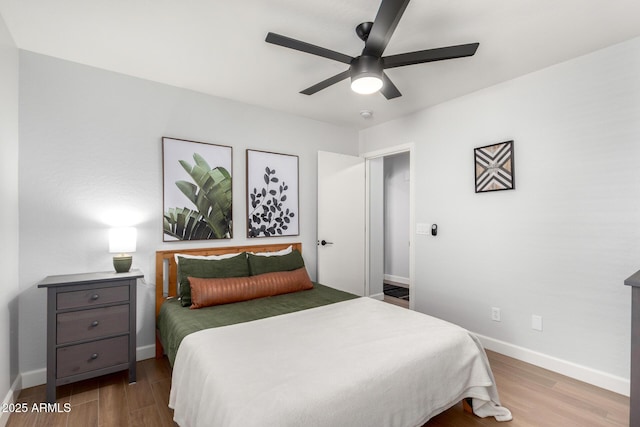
(396, 301)
(108, 401)
(535, 396)
(539, 398)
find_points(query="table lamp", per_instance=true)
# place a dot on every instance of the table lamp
(122, 241)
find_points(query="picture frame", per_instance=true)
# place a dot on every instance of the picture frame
(494, 167)
(197, 190)
(272, 194)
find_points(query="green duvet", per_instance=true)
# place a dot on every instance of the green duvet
(176, 322)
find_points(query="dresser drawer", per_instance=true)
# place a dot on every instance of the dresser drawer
(76, 359)
(93, 323)
(91, 297)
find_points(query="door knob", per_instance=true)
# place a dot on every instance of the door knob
(325, 243)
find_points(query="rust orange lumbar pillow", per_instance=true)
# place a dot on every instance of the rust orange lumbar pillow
(206, 292)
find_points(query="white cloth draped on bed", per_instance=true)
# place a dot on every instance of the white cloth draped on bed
(354, 363)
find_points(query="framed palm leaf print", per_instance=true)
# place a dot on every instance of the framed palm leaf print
(196, 190)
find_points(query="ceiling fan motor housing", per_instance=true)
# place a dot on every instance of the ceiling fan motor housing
(363, 66)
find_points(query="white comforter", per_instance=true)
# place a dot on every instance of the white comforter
(355, 363)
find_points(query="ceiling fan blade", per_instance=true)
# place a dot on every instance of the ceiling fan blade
(307, 48)
(384, 25)
(430, 55)
(389, 90)
(326, 83)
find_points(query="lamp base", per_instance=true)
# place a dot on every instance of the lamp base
(122, 264)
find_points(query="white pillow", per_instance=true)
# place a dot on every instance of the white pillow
(276, 253)
(213, 257)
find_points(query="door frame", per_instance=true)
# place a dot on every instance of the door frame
(389, 151)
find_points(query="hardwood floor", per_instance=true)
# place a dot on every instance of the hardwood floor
(396, 301)
(535, 396)
(109, 401)
(539, 398)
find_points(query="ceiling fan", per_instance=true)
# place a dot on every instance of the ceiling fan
(367, 70)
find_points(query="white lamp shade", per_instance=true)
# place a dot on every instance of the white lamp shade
(122, 240)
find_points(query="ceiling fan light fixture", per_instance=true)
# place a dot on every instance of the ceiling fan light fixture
(366, 85)
(366, 74)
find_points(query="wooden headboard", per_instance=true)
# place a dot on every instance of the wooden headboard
(166, 264)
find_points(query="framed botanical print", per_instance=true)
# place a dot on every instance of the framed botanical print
(494, 167)
(197, 198)
(272, 194)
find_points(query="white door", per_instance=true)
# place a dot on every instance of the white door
(341, 222)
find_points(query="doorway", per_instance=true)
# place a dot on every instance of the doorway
(389, 255)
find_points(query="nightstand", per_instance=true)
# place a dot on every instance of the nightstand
(91, 326)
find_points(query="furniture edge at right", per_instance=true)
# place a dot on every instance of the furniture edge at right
(634, 394)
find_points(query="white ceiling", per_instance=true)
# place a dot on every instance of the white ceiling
(217, 47)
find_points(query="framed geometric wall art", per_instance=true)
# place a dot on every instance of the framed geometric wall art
(272, 194)
(197, 199)
(494, 167)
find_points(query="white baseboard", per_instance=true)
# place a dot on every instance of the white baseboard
(146, 352)
(398, 279)
(34, 378)
(582, 373)
(39, 376)
(11, 397)
(379, 296)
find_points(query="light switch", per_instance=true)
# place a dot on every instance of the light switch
(422, 228)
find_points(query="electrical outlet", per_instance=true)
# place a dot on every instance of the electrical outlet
(536, 322)
(495, 314)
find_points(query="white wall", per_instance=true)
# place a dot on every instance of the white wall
(396, 217)
(9, 211)
(562, 243)
(90, 145)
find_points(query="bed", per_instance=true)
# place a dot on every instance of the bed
(314, 357)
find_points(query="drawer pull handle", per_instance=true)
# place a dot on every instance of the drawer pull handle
(94, 356)
(95, 297)
(95, 323)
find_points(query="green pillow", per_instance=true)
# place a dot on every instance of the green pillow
(207, 268)
(270, 264)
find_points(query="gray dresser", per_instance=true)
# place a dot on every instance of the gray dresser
(634, 415)
(91, 326)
